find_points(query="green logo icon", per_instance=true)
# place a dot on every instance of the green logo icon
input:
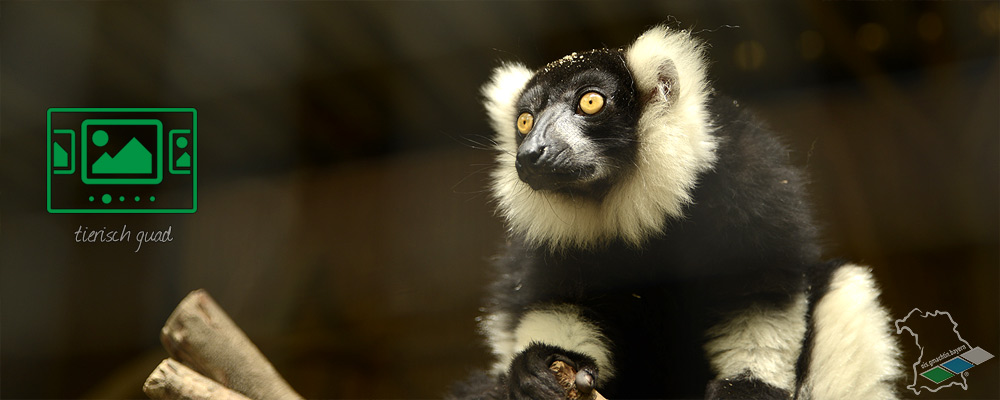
(122, 160)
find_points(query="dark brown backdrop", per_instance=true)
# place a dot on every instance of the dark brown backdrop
(341, 215)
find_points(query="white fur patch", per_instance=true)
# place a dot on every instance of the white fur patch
(561, 326)
(765, 342)
(500, 97)
(854, 355)
(501, 339)
(675, 145)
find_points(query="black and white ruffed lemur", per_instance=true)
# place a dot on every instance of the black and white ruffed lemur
(661, 244)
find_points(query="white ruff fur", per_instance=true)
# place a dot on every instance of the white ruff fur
(765, 342)
(675, 145)
(854, 355)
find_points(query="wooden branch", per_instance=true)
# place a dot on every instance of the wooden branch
(172, 380)
(212, 359)
(200, 335)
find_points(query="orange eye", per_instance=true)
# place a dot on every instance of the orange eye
(524, 123)
(591, 103)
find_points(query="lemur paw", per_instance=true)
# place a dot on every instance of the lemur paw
(548, 372)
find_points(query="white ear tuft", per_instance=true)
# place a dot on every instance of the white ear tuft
(501, 93)
(661, 47)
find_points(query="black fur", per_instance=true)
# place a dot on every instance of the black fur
(529, 376)
(747, 239)
(819, 285)
(742, 388)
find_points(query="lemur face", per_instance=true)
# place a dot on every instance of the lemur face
(576, 125)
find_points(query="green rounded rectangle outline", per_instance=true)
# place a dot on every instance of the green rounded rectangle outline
(49, 168)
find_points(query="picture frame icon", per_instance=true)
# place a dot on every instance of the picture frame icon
(121, 160)
(132, 159)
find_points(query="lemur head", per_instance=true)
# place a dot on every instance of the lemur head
(601, 145)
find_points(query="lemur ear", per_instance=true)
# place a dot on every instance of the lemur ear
(667, 87)
(661, 60)
(500, 96)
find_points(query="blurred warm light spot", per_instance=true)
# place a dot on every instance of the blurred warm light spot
(989, 19)
(930, 27)
(811, 45)
(872, 37)
(750, 55)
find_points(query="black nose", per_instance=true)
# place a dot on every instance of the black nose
(528, 156)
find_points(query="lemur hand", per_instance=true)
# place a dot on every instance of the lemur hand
(546, 372)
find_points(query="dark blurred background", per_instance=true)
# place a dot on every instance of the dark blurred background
(342, 219)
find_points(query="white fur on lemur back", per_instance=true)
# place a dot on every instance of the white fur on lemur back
(854, 354)
(762, 341)
(675, 145)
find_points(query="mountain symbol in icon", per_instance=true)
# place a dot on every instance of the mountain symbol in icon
(131, 159)
(184, 161)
